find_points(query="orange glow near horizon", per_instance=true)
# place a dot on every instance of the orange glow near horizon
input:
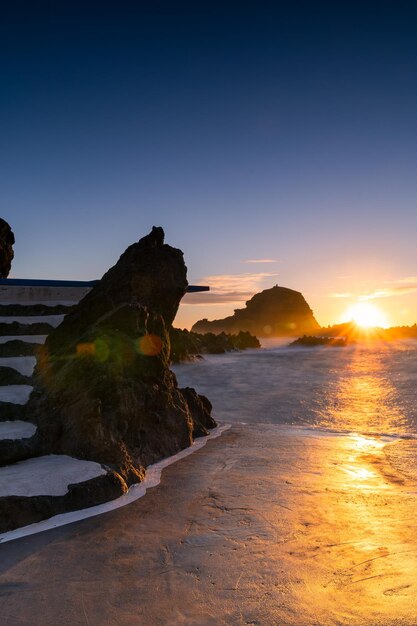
(366, 315)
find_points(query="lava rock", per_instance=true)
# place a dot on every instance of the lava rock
(16, 347)
(11, 411)
(17, 511)
(17, 328)
(27, 310)
(7, 241)
(186, 345)
(103, 390)
(10, 376)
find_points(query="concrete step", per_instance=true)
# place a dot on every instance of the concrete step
(17, 429)
(17, 438)
(22, 364)
(15, 394)
(10, 376)
(38, 488)
(16, 347)
(18, 441)
(26, 338)
(35, 487)
(52, 320)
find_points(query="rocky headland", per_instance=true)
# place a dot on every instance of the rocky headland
(102, 388)
(275, 312)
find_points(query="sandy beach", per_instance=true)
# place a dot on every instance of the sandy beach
(265, 525)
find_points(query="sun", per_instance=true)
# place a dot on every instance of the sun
(366, 315)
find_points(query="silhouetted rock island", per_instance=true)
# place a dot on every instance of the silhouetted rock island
(273, 312)
(6, 248)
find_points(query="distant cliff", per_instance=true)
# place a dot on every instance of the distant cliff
(272, 313)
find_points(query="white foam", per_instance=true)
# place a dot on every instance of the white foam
(53, 320)
(46, 475)
(23, 364)
(152, 479)
(18, 394)
(16, 430)
(26, 338)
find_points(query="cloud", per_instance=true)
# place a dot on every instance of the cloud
(389, 292)
(229, 288)
(260, 261)
(390, 289)
(210, 297)
(407, 279)
(346, 294)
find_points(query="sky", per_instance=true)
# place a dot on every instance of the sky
(275, 143)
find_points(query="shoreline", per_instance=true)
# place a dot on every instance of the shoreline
(136, 491)
(154, 473)
(266, 525)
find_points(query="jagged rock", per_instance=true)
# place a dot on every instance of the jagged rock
(16, 347)
(14, 450)
(7, 241)
(17, 328)
(311, 341)
(11, 411)
(186, 345)
(34, 309)
(103, 388)
(17, 511)
(10, 376)
(273, 312)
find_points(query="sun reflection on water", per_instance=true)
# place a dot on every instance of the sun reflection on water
(362, 399)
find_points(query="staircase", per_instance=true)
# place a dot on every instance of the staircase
(33, 486)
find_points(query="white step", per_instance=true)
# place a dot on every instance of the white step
(53, 320)
(17, 394)
(46, 475)
(16, 430)
(22, 364)
(26, 338)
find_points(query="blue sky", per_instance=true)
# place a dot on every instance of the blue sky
(253, 130)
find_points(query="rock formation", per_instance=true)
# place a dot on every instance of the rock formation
(103, 389)
(6, 248)
(186, 345)
(272, 313)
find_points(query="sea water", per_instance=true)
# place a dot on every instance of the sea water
(364, 388)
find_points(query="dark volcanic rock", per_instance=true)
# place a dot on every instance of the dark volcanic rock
(6, 248)
(14, 450)
(103, 388)
(17, 511)
(10, 376)
(310, 342)
(186, 345)
(11, 411)
(272, 313)
(34, 309)
(16, 328)
(16, 347)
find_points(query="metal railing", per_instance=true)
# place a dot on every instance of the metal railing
(34, 282)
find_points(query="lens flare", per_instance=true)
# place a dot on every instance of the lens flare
(149, 345)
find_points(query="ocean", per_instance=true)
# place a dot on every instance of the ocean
(361, 388)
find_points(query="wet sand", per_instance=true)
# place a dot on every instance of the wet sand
(265, 525)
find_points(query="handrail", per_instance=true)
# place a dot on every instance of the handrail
(34, 282)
